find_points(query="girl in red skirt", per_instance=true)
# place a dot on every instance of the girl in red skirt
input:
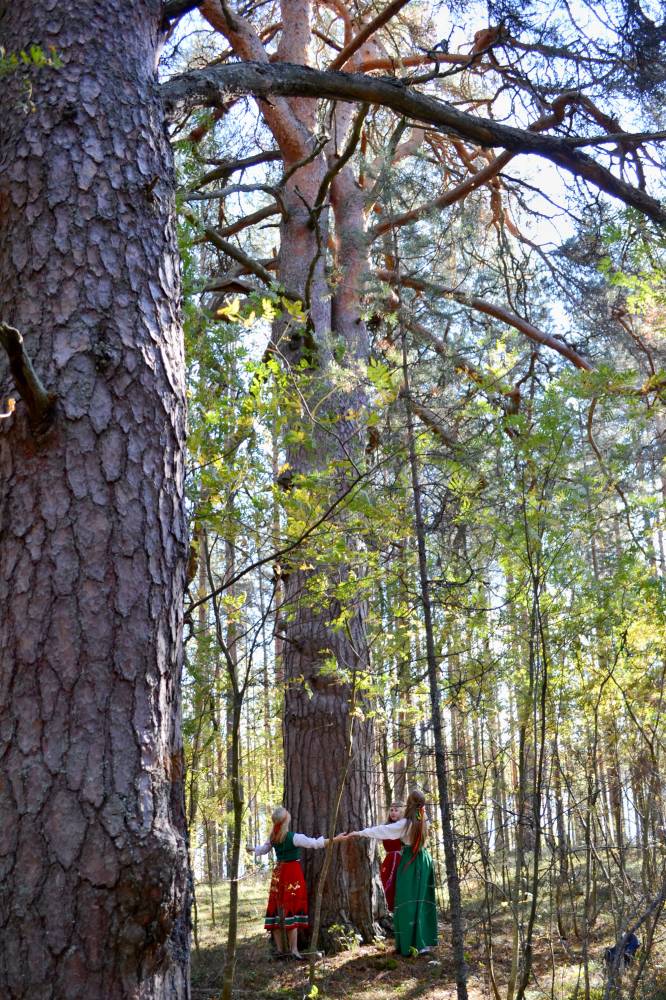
(389, 866)
(288, 897)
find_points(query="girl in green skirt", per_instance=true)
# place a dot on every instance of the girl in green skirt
(415, 914)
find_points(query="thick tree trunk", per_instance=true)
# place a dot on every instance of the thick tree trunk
(316, 720)
(317, 705)
(316, 712)
(93, 861)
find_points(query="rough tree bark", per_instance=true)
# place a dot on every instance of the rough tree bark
(93, 869)
(316, 712)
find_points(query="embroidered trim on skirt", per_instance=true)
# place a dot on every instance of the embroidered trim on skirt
(288, 897)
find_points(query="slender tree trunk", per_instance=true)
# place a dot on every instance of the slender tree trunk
(498, 779)
(453, 880)
(265, 696)
(238, 805)
(93, 859)
(405, 736)
(562, 841)
(458, 736)
(227, 640)
(387, 793)
(232, 654)
(539, 681)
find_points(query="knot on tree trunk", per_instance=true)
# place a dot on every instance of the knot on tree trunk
(150, 896)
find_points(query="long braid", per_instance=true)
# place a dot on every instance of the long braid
(275, 832)
(418, 825)
(420, 833)
(281, 819)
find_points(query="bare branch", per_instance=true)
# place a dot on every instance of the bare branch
(39, 402)
(490, 309)
(266, 80)
(619, 138)
(231, 251)
(250, 220)
(254, 267)
(225, 167)
(232, 189)
(364, 34)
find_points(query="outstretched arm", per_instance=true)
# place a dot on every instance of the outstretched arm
(300, 840)
(384, 831)
(261, 849)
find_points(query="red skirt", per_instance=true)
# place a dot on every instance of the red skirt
(288, 897)
(387, 872)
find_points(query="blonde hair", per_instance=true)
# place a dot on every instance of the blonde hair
(281, 820)
(417, 831)
(400, 806)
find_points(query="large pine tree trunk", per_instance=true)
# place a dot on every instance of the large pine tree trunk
(93, 870)
(317, 756)
(317, 705)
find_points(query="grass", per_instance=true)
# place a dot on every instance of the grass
(368, 972)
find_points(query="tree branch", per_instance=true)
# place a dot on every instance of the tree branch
(225, 167)
(39, 402)
(431, 421)
(250, 220)
(619, 138)
(266, 80)
(221, 193)
(242, 258)
(446, 199)
(177, 8)
(460, 363)
(490, 309)
(358, 40)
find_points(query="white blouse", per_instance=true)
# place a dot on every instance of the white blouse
(300, 840)
(388, 831)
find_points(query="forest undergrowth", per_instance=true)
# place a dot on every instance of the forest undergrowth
(374, 972)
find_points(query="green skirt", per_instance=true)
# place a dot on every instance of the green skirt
(415, 914)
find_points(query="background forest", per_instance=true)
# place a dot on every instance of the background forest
(439, 502)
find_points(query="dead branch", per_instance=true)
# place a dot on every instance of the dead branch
(39, 403)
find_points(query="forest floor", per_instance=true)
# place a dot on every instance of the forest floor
(363, 972)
